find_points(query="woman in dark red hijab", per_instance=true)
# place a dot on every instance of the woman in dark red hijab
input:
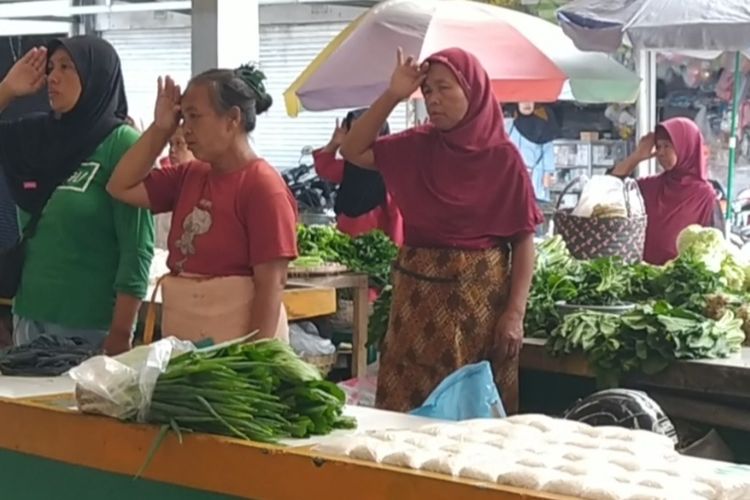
(467, 201)
(679, 196)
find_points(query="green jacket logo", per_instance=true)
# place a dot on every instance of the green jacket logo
(82, 177)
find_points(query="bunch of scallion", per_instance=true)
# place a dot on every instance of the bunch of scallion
(260, 391)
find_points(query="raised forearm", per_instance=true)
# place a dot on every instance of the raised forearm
(626, 167)
(137, 162)
(365, 130)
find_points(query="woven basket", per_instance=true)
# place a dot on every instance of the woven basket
(324, 364)
(591, 238)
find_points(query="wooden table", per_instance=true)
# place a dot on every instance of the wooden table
(360, 284)
(46, 449)
(712, 391)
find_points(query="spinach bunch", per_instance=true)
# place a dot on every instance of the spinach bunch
(554, 280)
(371, 253)
(603, 282)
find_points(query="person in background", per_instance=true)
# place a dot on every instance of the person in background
(233, 228)
(361, 193)
(462, 278)
(87, 263)
(681, 195)
(179, 152)
(533, 129)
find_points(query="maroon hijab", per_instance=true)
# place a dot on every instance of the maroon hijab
(466, 187)
(679, 197)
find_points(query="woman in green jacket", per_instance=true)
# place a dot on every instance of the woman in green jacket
(87, 259)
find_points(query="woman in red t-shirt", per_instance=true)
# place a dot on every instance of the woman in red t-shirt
(385, 214)
(233, 228)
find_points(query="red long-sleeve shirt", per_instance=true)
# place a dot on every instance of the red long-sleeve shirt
(386, 217)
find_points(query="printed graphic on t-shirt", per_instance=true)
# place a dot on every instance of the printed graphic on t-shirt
(198, 222)
(82, 177)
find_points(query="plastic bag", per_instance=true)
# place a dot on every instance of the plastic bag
(307, 344)
(469, 392)
(121, 387)
(361, 391)
(609, 191)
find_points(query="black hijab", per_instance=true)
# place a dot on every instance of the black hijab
(540, 127)
(40, 151)
(361, 190)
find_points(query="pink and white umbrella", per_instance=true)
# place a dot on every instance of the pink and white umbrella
(528, 59)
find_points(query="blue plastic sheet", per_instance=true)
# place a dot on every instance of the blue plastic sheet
(469, 392)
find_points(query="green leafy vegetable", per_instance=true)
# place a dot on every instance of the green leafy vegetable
(381, 313)
(371, 253)
(259, 391)
(645, 340)
(553, 280)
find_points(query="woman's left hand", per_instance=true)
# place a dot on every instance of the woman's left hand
(509, 335)
(117, 344)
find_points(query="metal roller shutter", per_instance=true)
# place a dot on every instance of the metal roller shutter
(285, 51)
(147, 54)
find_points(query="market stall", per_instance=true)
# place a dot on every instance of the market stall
(358, 284)
(46, 447)
(358, 268)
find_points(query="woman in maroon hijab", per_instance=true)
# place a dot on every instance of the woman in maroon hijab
(467, 201)
(679, 196)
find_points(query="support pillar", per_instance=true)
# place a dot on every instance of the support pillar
(646, 68)
(225, 34)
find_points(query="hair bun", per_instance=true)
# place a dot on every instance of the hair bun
(254, 78)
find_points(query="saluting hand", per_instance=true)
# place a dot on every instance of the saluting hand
(337, 138)
(408, 76)
(167, 110)
(646, 147)
(29, 74)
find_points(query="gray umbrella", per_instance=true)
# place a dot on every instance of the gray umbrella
(705, 25)
(603, 25)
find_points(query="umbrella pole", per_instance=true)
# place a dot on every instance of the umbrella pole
(733, 131)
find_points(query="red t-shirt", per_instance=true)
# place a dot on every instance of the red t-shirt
(223, 224)
(386, 217)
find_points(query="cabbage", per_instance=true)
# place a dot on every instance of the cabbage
(733, 274)
(708, 246)
(703, 244)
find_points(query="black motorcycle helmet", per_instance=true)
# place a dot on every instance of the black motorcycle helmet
(623, 408)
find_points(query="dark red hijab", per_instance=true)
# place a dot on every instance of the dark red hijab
(679, 197)
(466, 187)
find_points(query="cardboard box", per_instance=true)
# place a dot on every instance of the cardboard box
(589, 136)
